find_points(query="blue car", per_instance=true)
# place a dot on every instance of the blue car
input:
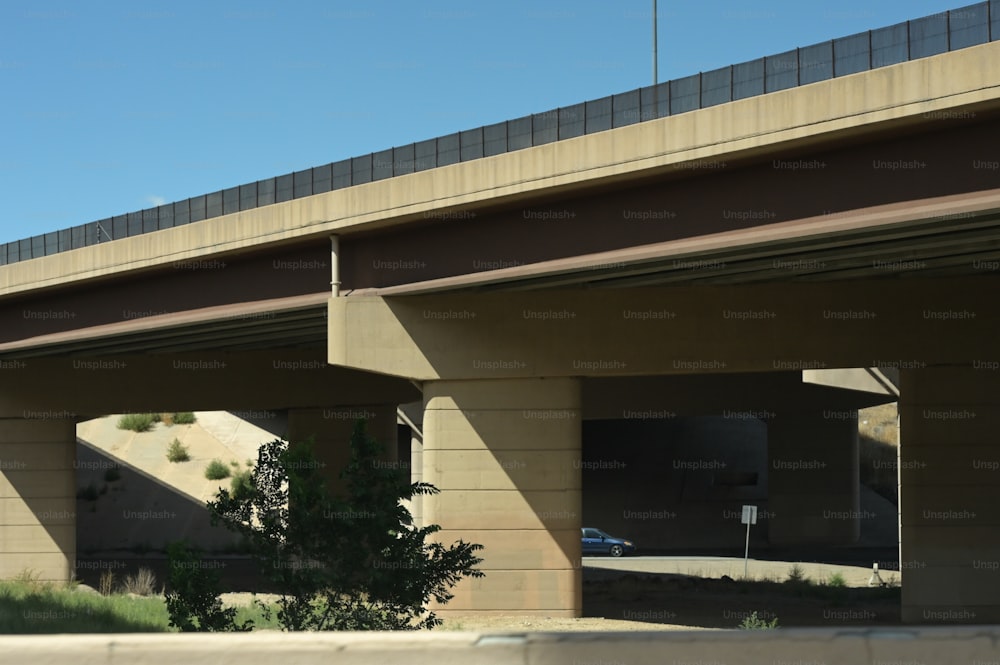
(596, 541)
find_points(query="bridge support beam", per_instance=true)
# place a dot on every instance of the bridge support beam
(505, 456)
(330, 430)
(950, 494)
(813, 479)
(37, 498)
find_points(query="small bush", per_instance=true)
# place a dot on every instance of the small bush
(113, 473)
(177, 452)
(142, 583)
(753, 622)
(836, 580)
(193, 601)
(216, 470)
(241, 486)
(138, 422)
(797, 575)
(185, 418)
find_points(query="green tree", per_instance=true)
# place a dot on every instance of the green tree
(343, 562)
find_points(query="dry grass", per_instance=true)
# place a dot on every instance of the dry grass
(106, 586)
(143, 583)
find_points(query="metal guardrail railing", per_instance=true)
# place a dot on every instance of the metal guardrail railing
(920, 38)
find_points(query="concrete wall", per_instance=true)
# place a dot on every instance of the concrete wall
(950, 494)
(136, 512)
(37, 498)
(814, 489)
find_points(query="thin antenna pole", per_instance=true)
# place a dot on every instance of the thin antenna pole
(656, 78)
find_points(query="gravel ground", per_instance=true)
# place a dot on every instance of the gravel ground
(639, 594)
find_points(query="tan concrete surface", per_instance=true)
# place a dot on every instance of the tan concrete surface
(508, 482)
(835, 646)
(155, 501)
(37, 499)
(715, 329)
(757, 569)
(215, 435)
(900, 95)
(208, 381)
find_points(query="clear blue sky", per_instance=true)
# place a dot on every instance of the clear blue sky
(113, 106)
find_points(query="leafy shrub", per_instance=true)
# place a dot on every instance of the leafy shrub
(343, 562)
(216, 470)
(837, 580)
(185, 418)
(177, 452)
(241, 485)
(753, 622)
(138, 422)
(193, 600)
(797, 575)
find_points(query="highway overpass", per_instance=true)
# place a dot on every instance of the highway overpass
(840, 228)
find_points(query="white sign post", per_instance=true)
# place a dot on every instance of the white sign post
(749, 517)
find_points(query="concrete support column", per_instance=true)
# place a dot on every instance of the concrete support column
(506, 456)
(813, 477)
(416, 476)
(950, 494)
(331, 431)
(37, 498)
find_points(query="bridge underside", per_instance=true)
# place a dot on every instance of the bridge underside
(507, 379)
(768, 245)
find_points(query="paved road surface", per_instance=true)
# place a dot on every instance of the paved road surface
(716, 566)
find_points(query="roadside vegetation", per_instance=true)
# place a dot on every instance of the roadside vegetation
(138, 422)
(216, 470)
(184, 418)
(753, 622)
(28, 607)
(177, 451)
(143, 422)
(350, 559)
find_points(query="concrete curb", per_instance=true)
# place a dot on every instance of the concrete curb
(917, 645)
